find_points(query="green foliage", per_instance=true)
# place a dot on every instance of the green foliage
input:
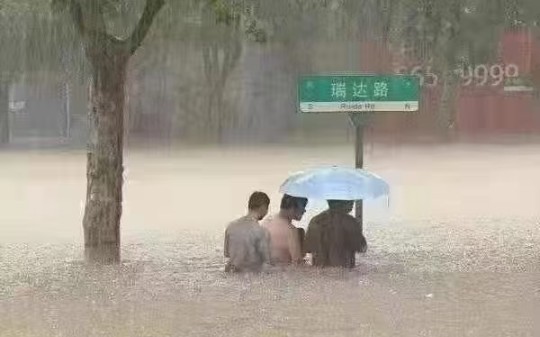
(462, 31)
(234, 12)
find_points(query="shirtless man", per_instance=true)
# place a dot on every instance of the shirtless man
(285, 241)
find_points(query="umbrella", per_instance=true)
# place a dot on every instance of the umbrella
(335, 183)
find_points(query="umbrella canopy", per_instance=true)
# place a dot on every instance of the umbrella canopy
(335, 183)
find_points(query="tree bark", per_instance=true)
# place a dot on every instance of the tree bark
(103, 210)
(108, 57)
(4, 113)
(215, 113)
(220, 57)
(446, 113)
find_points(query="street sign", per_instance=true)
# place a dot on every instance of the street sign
(358, 93)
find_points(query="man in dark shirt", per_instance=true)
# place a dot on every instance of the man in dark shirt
(334, 236)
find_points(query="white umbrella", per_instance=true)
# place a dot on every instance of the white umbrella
(335, 183)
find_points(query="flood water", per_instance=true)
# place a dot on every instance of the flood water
(454, 253)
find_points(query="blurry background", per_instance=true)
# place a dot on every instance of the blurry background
(198, 80)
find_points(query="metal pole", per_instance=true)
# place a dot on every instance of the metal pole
(359, 163)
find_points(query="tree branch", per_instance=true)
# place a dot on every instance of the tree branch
(75, 11)
(207, 63)
(89, 23)
(151, 9)
(232, 53)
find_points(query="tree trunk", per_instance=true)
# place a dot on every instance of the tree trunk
(101, 221)
(215, 113)
(4, 113)
(446, 113)
(222, 117)
(108, 57)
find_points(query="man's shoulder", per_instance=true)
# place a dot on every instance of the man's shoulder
(327, 216)
(321, 217)
(242, 221)
(348, 220)
(322, 214)
(233, 223)
(269, 220)
(349, 217)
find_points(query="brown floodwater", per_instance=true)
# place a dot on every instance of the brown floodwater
(455, 252)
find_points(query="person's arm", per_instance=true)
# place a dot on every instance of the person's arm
(295, 249)
(312, 236)
(358, 241)
(363, 243)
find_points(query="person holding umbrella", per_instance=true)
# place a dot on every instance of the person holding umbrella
(334, 237)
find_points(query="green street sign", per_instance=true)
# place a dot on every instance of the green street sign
(358, 93)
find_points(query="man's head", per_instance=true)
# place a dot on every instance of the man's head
(293, 207)
(341, 205)
(258, 204)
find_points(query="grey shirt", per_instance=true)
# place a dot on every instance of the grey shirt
(246, 245)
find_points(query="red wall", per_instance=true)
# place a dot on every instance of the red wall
(479, 110)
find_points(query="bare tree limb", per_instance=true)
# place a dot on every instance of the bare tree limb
(151, 9)
(232, 53)
(76, 13)
(89, 23)
(215, 58)
(207, 63)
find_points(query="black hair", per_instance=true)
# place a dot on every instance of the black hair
(258, 199)
(289, 202)
(337, 204)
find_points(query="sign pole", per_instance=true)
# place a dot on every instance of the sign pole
(359, 163)
(359, 121)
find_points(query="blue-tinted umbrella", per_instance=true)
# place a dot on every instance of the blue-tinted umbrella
(335, 183)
